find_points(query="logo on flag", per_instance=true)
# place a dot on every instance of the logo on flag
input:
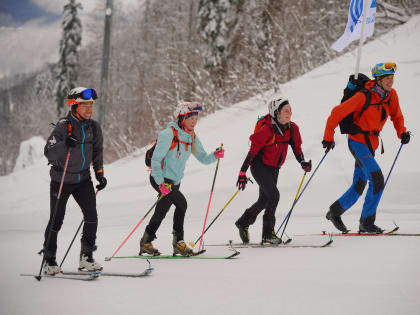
(354, 23)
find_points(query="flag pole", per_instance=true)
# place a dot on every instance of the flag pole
(359, 49)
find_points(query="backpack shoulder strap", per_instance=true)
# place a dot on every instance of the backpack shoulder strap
(367, 102)
(175, 139)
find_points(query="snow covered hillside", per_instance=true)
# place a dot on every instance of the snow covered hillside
(378, 275)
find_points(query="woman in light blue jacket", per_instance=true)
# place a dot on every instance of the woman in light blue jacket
(173, 148)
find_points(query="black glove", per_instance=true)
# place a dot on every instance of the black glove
(328, 145)
(241, 183)
(307, 166)
(71, 142)
(405, 137)
(102, 181)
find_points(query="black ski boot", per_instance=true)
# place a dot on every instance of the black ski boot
(367, 225)
(271, 239)
(243, 232)
(146, 245)
(334, 215)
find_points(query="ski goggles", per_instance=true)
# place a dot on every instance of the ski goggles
(195, 107)
(383, 69)
(389, 66)
(85, 95)
(193, 110)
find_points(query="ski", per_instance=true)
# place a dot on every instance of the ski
(83, 277)
(236, 253)
(145, 273)
(387, 233)
(391, 232)
(259, 245)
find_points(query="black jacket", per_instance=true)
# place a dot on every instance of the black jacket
(88, 150)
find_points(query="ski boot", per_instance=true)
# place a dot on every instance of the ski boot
(50, 267)
(181, 248)
(367, 225)
(271, 239)
(179, 245)
(146, 245)
(243, 232)
(334, 215)
(86, 261)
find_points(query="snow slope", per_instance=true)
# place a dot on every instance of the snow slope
(377, 275)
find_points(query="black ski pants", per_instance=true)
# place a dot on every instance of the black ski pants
(266, 178)
(175, 197)
(84, 194)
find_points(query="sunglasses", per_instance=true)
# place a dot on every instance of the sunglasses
(86, 95)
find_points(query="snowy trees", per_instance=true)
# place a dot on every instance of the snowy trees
(218, 52)
(69, 47)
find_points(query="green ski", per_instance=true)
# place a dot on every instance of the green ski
(178, 257)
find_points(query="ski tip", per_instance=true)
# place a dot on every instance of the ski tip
(328, 243)
(287, 241)
(233, 255)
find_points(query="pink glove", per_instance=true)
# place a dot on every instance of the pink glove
(219, 153)
(164, 189)
(241, 183)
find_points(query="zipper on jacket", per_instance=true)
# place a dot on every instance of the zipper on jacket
(82, 151)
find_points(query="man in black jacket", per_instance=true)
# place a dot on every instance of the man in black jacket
(77, 138)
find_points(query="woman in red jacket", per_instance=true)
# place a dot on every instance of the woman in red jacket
(267, 154)
(368, 123)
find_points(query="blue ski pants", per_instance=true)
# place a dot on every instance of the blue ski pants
(366, 169)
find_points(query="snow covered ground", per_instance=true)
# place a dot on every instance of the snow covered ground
(378, 275)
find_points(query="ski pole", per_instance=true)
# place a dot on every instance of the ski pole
(135, 228)
(211, 195)
(234, 195)
(395, 160)
(74, 237)
(303, 190)
(293, 204)
(54, 213)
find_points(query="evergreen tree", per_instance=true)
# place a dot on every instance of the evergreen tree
(212, 26)
(69, 54)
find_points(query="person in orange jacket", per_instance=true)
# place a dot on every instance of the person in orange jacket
(368, 123)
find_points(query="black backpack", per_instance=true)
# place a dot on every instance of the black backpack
(347, 125)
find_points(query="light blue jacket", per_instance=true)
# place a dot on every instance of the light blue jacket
(174, 163)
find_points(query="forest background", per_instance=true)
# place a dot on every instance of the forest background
(217, 52)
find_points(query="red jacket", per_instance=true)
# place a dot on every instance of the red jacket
(372, 119)
(275, 154)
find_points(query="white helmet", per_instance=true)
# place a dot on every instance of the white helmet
(80, 94)
(276, 104)
(185, 108)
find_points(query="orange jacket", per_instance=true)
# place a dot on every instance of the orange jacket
(372, 119)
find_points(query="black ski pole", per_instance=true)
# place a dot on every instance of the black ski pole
(303, 190)
(54, 214)
(68, 249)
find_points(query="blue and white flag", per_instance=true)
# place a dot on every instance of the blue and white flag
(354, 24)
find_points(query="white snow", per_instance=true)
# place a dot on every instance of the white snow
(31, 151)
(378, 275)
